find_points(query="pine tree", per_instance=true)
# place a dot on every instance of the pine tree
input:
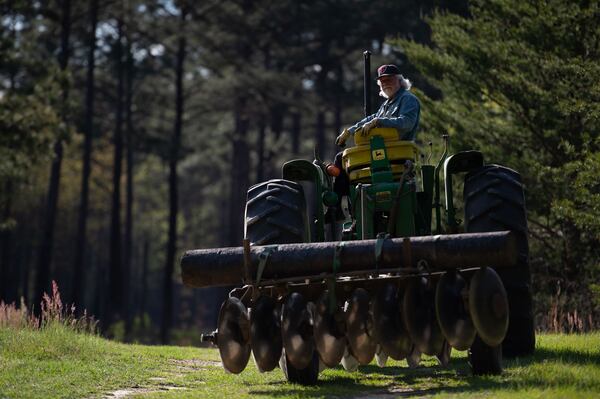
(519, 81)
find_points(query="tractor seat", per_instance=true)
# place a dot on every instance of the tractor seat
(356, 161)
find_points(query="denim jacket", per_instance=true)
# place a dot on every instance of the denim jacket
(401, 112)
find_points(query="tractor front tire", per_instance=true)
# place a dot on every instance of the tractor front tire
(276, 214)
(494, 201)
(306, 376)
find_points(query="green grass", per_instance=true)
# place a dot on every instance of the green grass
(58, 363)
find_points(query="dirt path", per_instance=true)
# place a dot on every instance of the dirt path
(162, 383)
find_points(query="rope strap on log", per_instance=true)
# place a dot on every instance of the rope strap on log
(263, 258)
(381, 237)
(331, 281)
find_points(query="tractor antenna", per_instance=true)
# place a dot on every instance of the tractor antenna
(367, 83)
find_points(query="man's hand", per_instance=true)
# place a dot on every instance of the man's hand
(341, 139)
(368, 126)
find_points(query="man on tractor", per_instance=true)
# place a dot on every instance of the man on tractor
(401, 110)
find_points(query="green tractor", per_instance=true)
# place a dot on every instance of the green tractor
(393, 278)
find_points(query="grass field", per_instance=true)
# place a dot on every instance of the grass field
(58, 363)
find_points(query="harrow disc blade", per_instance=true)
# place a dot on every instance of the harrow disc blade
(381, 357)
(488, 305)
(444, 356)
(359, 327)
(329, 331)
(297, 331)
(389, 328)
(453, 316)
(233, 335)
(265, 333)
(349, 362)
(414, 358)
(419, 316)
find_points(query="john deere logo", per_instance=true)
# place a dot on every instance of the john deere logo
(378, 155)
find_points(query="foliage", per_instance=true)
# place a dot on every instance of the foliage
(29, 100)
(582, 207)
(519, 82)
(28, 123)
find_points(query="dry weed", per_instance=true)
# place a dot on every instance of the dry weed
(53, 311)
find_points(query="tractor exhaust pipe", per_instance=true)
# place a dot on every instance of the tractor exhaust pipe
(367, 83)
(228, 266)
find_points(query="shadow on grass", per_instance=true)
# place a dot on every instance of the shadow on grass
(428, 381)
(563, 355)
(361, 385)
(346, 386)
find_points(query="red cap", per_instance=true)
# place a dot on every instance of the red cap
(387, 70)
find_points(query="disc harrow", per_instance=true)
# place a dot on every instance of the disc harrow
(413, 299)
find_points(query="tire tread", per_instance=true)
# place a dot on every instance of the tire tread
(494, 201)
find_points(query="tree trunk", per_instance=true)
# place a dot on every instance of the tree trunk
(260, 169)
(277, 114)
(6, 236)
(6, 273)
(115, 297)
(144, 278)
(240, 159)
(47, 242)
(337, 112)
(320, 142)
(296, 127)
(100, 271)
(240, 164)
(167, 315)
(25, 265)
(77, 282)
(128, 242)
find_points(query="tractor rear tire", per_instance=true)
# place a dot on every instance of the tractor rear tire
(494, 201)
(485, 359)
(276, 214)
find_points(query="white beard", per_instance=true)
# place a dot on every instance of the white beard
(382, 94)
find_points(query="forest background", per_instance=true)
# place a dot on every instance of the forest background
(131, 130)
